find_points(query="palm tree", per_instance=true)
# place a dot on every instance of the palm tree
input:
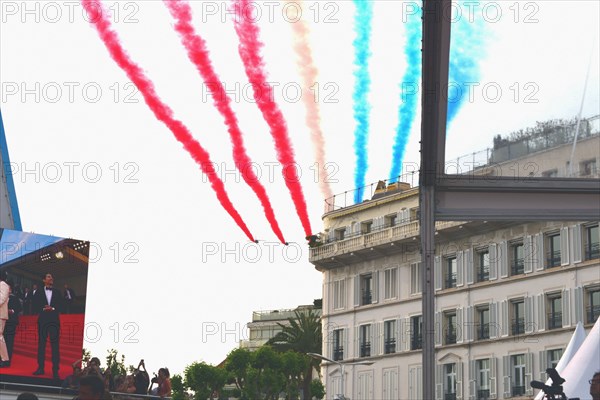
(302, 335)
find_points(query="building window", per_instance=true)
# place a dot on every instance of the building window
(389, 336)
(390, 220)
(518, 374)
(553, 254)
(340, 234)
(554, 357)
(366, 289)
(588, 167)
(554, 311)
(450, 273)
(592, 243)
(339, 294)
(450, 381)
(415, 278)
(593, 304)
(483, 379)
(482, 265)
(517, 261)
(450, 327)
(366, 227)
(518, 317)
(483, 322)
(338, 346)
(416, 328)
(390, 283)
(365, 340)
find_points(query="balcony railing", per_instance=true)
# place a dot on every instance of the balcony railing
(592, 251)
(517, 266)
(554, 320)
(483, 331)
(390, 346)
(449, 396)
(367, 297)
(483, 394)
(451, 281)
(518, 390)
(483, 275)
(593, 312)
(450, 335)
(338, 354)
(365, 349)
(518, 326)
(553, 259)
(416, 343)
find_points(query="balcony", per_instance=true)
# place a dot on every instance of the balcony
(554, 320)
(483, 275)
(450, 336)
(366, 297)
(592, 312)
(389, 346)
(517, 266)
(338, 353)
(518, 391)
(365, 349)
(553, 259)
(518, 326)
(483, 332)
(450, 281)
(416, 343)
(592, 251)
(483, 394)
(449, 396)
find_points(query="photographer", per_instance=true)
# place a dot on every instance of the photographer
(164, 383)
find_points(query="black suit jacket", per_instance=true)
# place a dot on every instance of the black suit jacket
(14, 304)
(40, 300)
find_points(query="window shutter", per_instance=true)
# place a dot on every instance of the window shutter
(541, 306)
(493, 261)
(493, 378)
(346, 343)
(439, 383)
(506, 377)
(357, 291)
(566, 308)
(579, 308)
(528, 373)
(564, 246)
(398, 336)
(460, 267)
(331, 235)
(469, 324)
(375, 295)
(356, 342)
(460, 325)
(577, 247)
(378, 340)
(437, 329)
(543, 365)
(405, 331)
(472, 380)
(495, 328)
(459, 380)
(405, 215)
(469, 254)
(437, 272)
(529, 322)
(528, 253)
(503, 259)
(539, 252)
(504, 316)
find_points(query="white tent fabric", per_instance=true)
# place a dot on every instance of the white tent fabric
(576, 341)
(583, 365)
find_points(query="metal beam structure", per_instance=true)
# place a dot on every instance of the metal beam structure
(9, 209)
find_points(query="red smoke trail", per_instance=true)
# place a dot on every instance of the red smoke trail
(199, 55)
(99, 16)
(249, 50)
(309, 72)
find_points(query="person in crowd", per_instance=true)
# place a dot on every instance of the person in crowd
(141, 378)
(10, 330)
(47, 304)
(27, 396)
(69, 295)
(91, 387)
(164, 383)
(595, 386)
(4, 297)
(93, 368)
(72, 381)
(28, 299)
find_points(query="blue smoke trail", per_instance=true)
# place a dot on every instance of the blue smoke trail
(466, 48)
(409, 91)
(362, 22)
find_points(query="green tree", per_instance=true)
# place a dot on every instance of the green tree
(303, 335)
(177, 387)
(115, 366)
(205, 380)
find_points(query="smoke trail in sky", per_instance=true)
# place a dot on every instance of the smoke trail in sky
(249, 50)
(99, 16)
(199, 55)
(466, 49)
(308, 72)
(362, 53)
(409, 89)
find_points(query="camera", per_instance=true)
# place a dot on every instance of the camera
(556, 389)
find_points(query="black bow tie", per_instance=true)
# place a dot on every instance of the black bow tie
(48, 288)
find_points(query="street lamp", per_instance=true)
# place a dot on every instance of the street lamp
(341, 365)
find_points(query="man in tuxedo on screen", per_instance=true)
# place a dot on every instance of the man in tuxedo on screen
(47, 304)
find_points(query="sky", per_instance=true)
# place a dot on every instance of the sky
(172, 279)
